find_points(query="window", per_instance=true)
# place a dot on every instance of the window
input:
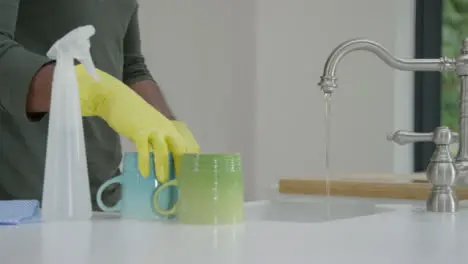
(454, 31)
(428, 85)
(441, 26)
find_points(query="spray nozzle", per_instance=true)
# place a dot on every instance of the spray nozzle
(77, 45)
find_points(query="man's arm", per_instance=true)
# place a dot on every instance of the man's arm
(136, 74)
(40, 90)
(152, 94)
(19, 67)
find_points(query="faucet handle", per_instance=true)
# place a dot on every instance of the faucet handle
(403, 137)
(441, 136)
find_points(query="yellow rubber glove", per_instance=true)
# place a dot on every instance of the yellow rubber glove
(131, 116)
(191, 144)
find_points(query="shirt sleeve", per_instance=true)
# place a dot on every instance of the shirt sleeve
(135, 69)
(18, 66)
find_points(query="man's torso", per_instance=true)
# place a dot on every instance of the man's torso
(39, 25)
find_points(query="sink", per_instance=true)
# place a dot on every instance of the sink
(309, 211)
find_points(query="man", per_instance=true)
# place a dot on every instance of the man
(27, 30)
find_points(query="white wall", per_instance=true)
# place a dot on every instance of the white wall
(243, 74)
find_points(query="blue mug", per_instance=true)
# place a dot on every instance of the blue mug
(137, 192)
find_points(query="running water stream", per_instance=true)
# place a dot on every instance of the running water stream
(327, 97)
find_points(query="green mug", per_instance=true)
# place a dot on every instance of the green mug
(211, 190)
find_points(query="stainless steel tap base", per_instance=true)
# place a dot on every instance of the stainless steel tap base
(441, 171)
(442, 199)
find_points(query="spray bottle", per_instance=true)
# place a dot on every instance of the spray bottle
(66, 193)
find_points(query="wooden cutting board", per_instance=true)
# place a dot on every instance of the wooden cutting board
(409, 186)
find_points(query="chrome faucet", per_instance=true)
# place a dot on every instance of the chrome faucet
(442, 171)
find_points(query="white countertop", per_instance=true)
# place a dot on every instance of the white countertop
(401, 233)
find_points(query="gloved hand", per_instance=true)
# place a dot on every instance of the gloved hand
(131, 116)
(191, 144)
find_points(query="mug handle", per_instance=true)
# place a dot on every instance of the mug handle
(172, 210)
(101, 189)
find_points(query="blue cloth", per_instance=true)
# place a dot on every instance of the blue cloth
(14, 212)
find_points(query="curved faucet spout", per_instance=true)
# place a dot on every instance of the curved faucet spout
(328, 79)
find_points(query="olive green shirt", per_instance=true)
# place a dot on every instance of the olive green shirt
(28, 28)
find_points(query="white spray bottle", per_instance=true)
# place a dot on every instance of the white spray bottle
(66, 193)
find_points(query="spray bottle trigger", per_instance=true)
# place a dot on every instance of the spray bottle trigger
(77, 45)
